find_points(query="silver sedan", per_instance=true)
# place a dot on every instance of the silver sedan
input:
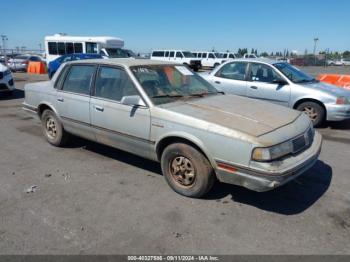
(283, 84)
(167, 113)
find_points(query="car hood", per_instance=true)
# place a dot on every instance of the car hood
(328, 88)
(252, 117)
(3, 68)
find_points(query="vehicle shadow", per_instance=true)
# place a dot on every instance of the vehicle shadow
(16, 94)
(290, 199)
(340, 125)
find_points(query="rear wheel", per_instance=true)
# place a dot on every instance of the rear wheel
(53, 129)
(313, 110)
(186, 170)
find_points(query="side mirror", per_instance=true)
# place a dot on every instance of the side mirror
(280, 82)
(132, 101)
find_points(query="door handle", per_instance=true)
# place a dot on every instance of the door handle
(99, 108)
(60, 99)
(217, 82)
(253, 87)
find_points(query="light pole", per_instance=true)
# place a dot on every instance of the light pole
(4, 39)
(315, 43)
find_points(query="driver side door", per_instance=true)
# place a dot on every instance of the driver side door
(126, 127)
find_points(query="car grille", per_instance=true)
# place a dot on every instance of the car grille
(302, 142)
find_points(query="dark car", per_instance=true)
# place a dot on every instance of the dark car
(55, 64)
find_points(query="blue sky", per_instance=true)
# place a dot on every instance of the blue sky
(269, 25)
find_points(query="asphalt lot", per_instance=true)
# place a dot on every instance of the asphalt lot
(92, 199)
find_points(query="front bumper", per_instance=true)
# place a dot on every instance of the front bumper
(338, 112)
(278, 174)
(7, 84)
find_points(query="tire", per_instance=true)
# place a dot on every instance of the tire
(200, 176)
(315, 111)
(53, 129)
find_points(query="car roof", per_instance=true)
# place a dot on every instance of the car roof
(123, 62)
(258, 60)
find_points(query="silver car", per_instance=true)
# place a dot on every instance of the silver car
(283, 84)
(167, 113)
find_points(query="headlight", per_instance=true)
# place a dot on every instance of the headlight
(342, 101)
(271, 153)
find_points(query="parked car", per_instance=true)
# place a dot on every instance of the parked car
(225, 55)
(55, 64)
(249, 56)
(178, 56)
(283, 84)
(345, 61)
(334, 62)
(20, 62)
(7, 84)
(165, 112)
(209, 59)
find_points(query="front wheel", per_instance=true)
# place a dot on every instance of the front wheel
(186, 170)
(53, 129)
(314, 111)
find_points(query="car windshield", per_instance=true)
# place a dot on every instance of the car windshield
(188, 54)
(167, 83)
(117, 53)
(294, 74)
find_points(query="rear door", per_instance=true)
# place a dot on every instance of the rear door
(123, 126)
(231, 78)
(73, 100)
(264, 83)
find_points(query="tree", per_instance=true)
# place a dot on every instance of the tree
(346, 54)
(265, 54)
(252, 52)
(271, 54)
(256, 52)
(287, 53)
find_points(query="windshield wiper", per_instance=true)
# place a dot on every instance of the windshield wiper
(307, 80)
(206, 93)
(161, 96)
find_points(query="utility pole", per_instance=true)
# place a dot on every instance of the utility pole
(315, 44)
(4, 39)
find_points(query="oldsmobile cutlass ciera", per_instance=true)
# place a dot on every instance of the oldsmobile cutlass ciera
(167, 113)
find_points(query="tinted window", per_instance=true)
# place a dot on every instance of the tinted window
(61, 48)
(52, 48)
(158, 53)
(91, 48)
(69, 48)
(204, 55)
(211, 55)
(113, 83)
(166, 53)
(78, 79)
(172, 54)
(78, 47)
(236, 71)
(263, 73)
(61, 77)
(178, 54)
(231, 56)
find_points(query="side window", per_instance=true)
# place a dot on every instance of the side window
(69, 48)
(78, 47)
(61, 47)
(166, 53)
(158, 53)
(113, 83)
(231, 56)
(204, 55)
(211, 56)
(263, 73)
(91, 48)
(78, 79)
(52, 48)
(172, 53)
(178, 55)
(235, 71)
(61, 77)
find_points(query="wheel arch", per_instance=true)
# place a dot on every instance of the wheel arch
(299, 102)
(44, 106)
(189, 140)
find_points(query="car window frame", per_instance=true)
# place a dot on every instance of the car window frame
(242, 62)
(93, 90)
(69, 67)
(248, 77)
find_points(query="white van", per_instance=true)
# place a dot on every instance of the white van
(208, 59)
(61, 44)
(179, 56)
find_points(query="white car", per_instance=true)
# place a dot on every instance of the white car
(7, 84)
(346, 61)
(209, 59)
(178, 56)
